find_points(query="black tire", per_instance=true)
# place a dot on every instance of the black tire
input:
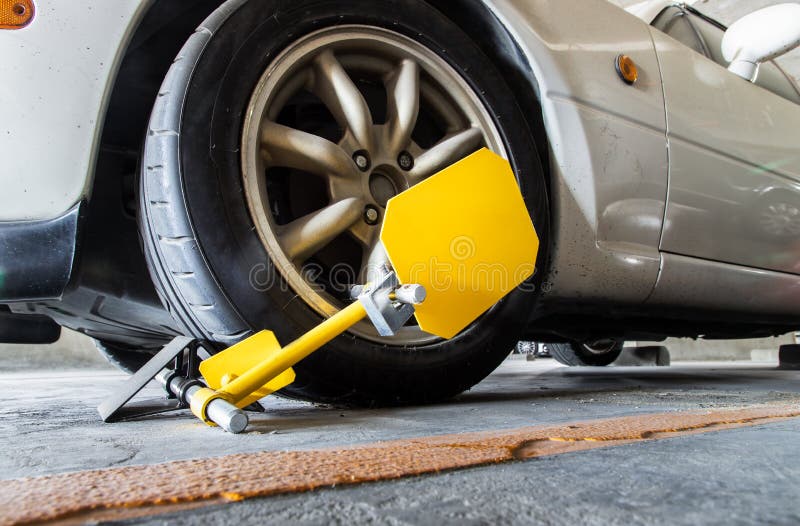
(121, 356)
(199, 237)
(579, 354)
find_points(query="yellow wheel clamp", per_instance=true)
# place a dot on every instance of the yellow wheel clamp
(458, 242)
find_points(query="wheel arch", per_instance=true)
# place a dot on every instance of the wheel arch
(606, 146)
(106, 241)
(166, 25)
(500, 45)
(163, 28)
(515, 63)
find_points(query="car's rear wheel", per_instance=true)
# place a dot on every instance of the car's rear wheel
(279, 134)
(595, 353)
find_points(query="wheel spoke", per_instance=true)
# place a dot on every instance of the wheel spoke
(292, 148)
(445, 153)
(402, 109)
(304, 237)
(337, 91)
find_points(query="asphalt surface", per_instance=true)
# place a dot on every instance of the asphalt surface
(49, 425)
(741, 476)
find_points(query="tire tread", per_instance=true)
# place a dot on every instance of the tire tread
(182, 276)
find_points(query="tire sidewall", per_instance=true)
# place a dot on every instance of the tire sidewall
(575, 354)
(211, 127)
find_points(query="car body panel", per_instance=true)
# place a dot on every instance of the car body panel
(628, 164)
(609, 161)
(734, 153)
(45, 249)
(648, 10)
(720, 287)
(57, 75)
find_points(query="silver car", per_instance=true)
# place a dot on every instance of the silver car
(212, 169)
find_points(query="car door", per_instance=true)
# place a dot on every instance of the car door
(734, 183)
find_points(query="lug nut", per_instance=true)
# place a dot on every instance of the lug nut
(405, 161)
(371, 215)
(362, 160)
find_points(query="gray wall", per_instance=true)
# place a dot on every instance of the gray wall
(686, 350)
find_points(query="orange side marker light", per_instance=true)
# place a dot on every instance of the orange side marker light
(627, 70)
(16, 14)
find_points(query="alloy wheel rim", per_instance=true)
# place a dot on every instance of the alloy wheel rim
(357, 152)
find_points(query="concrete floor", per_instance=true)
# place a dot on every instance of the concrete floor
(48, 424)
(739, 477)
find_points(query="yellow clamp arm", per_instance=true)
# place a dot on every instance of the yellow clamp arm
(278, 362)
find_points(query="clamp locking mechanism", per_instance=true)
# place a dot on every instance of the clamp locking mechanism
(241, 375)
(488, 259)
(176, 369)
(258, 365)
(389, 305)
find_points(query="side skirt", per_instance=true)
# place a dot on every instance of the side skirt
(36, 257)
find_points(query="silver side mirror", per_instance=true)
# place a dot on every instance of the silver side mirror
(761, 36)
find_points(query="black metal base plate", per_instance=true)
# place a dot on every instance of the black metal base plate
(111, 410)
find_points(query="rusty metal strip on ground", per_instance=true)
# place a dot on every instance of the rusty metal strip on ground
(160, 488)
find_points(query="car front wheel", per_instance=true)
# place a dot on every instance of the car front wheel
(279, 135)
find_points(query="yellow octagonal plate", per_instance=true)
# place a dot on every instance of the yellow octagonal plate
(466, 236)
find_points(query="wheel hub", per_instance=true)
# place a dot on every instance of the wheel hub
(382, 187)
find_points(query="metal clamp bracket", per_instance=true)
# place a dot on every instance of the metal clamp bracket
(177, 368)
(389, 305)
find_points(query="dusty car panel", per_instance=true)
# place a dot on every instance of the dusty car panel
(607, 138)
(608, 145)
(763, 294)
(58, 71)
(733, 156)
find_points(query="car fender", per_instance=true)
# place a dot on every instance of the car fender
(607, 139)
(58, 74)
